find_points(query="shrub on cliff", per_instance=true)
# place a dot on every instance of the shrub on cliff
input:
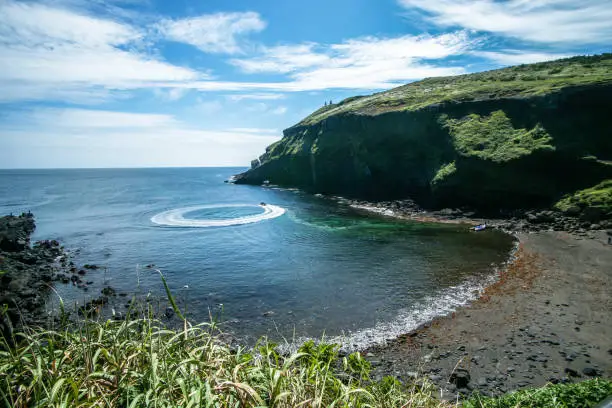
(594, 202)
(494, 138)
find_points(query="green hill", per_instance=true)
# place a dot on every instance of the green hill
(518, 137)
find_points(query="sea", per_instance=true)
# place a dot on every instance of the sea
(259, 261)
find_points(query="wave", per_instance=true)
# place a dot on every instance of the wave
(176, 217)
(407, 320)
(440, 304)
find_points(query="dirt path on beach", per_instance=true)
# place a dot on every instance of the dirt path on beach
(548, 319)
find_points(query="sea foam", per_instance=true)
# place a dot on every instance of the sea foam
(176, 217)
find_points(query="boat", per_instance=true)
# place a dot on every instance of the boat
(480, 227)
(262, 204)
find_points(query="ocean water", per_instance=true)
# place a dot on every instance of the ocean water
(300, 266)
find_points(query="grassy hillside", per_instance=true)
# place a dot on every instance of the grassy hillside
(518, 137)
(518, 81)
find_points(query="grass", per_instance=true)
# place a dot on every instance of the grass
(582, 395)
(518, 81)
(494, 138)
(597, 197)
(140, 362)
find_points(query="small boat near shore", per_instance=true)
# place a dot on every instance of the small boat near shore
(480, 227)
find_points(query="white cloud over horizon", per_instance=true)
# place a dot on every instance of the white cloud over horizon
(125, 138)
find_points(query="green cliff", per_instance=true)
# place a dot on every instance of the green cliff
(520, 137)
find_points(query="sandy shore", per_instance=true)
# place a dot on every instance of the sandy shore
(546, 320)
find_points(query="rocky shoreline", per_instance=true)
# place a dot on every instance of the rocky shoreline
(28, 273)
(511, 221)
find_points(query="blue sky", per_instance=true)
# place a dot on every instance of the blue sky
(140, 83)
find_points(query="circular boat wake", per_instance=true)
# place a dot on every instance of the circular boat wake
(176, 217)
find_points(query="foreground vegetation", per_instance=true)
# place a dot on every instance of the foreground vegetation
(141, 363)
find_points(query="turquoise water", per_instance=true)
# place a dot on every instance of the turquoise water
(298, 266)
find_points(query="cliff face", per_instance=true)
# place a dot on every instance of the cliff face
(475, 140)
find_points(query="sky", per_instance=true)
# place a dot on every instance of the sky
(155, 83)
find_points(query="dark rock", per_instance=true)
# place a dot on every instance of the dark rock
(571, 372)
(460, 378)
(591, 372)
(108, 291)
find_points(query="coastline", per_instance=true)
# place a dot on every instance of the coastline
(544, 320)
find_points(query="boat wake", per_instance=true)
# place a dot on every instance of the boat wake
(176, 217)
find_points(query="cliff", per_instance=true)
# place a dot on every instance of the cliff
(520, 137)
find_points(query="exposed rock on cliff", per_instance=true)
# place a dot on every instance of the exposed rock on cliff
(519, 137)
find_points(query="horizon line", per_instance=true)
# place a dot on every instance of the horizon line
(123, 168)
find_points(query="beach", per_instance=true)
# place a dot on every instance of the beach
(545, 320)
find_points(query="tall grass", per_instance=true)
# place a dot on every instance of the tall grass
(140, 363)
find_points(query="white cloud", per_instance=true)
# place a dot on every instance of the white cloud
(517, 57)
(280, 110)
(283, 59)
(255, 96)
(95, 138)
(52, 53)
(258, 107)
(97, 119)
(215, 33)
(546, 21)
(171, 94)
(207, 107)
(262, 107)
(257, 131)
(366, 63)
